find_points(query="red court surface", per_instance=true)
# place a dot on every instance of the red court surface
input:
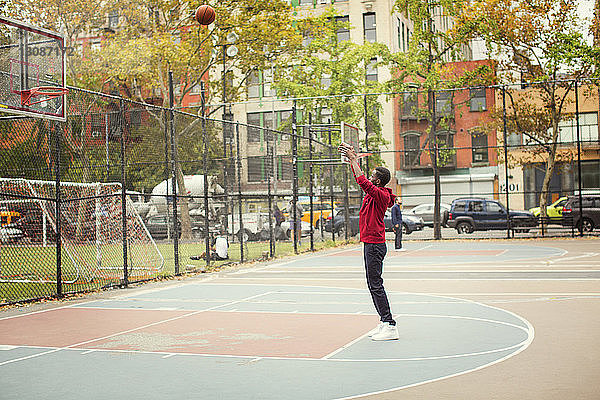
(245, 334)
(65, 327)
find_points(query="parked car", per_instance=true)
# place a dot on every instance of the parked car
(410, 223)
(321, 211)
(339, 221)
(10, 234)
(554, 210)
(588, 219)
(161, 226)
(425, 211)
(477, 214)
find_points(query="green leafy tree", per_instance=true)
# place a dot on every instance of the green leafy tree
(426, 66)
(326, 74)
(539, 42)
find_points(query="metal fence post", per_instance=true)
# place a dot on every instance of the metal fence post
(310, 182)
(579, 159)
(57, 160)
(504, 135)
(331, 184)
(205, 168)
(294, 177)
(269, 166)
(173, 174)
(123, 198)
(239, 185)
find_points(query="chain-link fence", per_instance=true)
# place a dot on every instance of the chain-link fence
(147, 191)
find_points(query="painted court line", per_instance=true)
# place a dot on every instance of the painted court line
(255, 358)
(246, 271)
(531, 335)
(128, 330)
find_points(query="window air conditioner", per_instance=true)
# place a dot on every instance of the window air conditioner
(478, 157)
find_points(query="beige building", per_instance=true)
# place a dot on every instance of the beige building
(527, 158)
(370, 20)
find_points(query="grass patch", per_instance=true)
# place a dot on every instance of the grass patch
(29, 271)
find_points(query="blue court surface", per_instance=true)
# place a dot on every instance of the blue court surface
(239, 335)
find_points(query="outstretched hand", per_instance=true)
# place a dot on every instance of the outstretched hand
(347, 151)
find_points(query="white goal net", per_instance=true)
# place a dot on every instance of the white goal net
(91, 231)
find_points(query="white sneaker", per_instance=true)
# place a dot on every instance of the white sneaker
(376, 330)
(387, 332)
(401, 249)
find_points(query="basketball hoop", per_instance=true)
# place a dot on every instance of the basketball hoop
(48, 92)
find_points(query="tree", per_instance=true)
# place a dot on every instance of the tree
(539, 42)
(426, 65)
(327, 74)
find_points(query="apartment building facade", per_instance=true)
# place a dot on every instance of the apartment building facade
(467, 159)
(528, 159)
(370, 21)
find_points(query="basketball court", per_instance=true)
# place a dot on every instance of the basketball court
(483, 318)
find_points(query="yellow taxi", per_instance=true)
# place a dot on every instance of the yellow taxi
(321, 210)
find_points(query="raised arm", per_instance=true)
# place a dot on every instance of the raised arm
(351, 155)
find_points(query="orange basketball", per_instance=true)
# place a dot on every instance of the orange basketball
(205, 14)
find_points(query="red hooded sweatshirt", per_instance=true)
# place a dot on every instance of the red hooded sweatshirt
(376, 201)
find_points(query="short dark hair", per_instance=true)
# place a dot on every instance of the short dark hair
(384, 175)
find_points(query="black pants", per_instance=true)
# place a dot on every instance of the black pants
(374, 254)
(398, 241)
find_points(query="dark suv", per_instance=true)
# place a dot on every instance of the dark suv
(589, 219)
(476, 214)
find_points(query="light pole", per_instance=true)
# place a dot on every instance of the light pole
(229, 49)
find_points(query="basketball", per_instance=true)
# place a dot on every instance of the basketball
(205, 14)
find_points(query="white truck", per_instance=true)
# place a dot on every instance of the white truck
(256, 227)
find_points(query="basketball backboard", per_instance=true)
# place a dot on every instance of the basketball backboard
(32, 57)
(351, 136)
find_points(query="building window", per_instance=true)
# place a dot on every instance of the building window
(443, 104)
(265, 120)
(307, 38)
(479, 147)
(372, 70)
(326, 115)
(400, 34)
(590, 174)
(113, 18)
(446, 151)
(267, 81)
(410, 104)
(343, 32)
(588, 129)
(370, 30)
(253, 84)
(325, 81)
(256, 169)
(477, 99)
(305, 2)
(254, 132)
(284, 168)
(412, 143)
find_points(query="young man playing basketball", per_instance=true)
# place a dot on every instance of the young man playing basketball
(372, 233)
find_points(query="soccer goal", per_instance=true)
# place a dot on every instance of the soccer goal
(91, 231)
